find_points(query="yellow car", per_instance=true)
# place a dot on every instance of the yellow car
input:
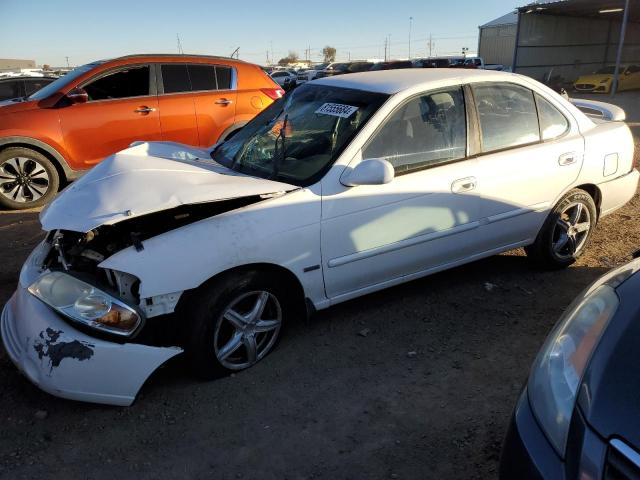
(602, 80)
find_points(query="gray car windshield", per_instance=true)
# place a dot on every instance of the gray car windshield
(296, 139)
(62, 82)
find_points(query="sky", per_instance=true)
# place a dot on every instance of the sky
(48, 31)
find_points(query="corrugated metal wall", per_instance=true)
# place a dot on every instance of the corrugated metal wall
(496, 44)
(571, 46)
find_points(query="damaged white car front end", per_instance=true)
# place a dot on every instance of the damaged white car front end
(77, 329)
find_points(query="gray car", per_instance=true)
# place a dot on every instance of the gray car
(579, 414)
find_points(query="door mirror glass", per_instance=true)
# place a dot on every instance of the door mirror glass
(78, 95)
(374, 171)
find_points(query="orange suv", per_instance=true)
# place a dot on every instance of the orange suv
(98, 109)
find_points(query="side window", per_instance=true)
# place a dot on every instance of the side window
(633, 69)
(34, 85)
(425, 131)
(203, 77)
(552, 123)
(9, 89)
(130, 82)
(175, 78)
(223, 75)
(507, 115)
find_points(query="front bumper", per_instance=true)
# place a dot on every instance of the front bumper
(67, 363)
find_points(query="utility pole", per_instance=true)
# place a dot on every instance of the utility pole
(179, 44)
(67, 62)
(389, 46)
(430, 46)
(272, 59)
(385, 49)
(410, 24)
(268, 58)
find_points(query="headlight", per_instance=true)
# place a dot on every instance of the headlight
(560, 365)
(86, 304)
(606, 80)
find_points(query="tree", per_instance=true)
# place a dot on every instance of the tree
(329, 54)
(291, 58)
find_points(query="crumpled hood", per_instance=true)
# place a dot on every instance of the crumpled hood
(147, 178)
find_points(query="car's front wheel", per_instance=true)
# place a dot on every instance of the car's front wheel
(27, 178)
(235, 322)
(566, 232)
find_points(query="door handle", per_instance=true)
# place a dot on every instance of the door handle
(144, 109)
(223, 101)
(464, 185)
(567, 159)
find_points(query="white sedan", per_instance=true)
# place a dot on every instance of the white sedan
(346, 186)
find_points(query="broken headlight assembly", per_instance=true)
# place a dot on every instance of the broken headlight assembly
(86, 304)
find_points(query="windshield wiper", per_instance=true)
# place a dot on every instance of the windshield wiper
(277, 159)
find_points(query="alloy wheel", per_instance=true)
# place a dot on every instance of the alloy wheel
(247, 329)
(23, 179)
(571, 230)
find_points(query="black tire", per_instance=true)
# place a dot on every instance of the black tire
(37, 180)
(549, 249)
(209, 332)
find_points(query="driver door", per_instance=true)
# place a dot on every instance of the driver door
(424, 219)
(122, 108)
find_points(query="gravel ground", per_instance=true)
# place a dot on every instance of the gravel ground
(341, 397)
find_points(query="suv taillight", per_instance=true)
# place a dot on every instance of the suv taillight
(273, 93)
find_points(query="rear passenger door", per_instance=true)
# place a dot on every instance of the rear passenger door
(176, 106)
(530, 154)
(215, 98)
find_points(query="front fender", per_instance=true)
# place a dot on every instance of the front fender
(284, 231)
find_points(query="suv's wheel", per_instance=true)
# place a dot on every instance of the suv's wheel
(566, 232)
(235, 322)
(27, 178)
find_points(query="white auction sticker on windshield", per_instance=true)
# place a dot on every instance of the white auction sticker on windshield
(336, 110)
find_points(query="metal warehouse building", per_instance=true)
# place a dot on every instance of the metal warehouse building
(8, 64)
(497, 40)
(565, 39)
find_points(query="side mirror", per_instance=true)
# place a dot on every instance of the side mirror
(78, 95)
(374, 171)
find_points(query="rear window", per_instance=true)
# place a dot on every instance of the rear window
(223, 75)
(203, 77)
(175, 78)
(180, 77)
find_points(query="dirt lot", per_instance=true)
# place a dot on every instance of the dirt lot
(328, 403)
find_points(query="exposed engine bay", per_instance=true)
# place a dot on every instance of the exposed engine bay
(80, 254)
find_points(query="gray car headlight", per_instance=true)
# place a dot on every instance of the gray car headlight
(86, 304)
(562, 361)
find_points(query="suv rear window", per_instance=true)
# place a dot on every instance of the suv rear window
(203, 77)
(180, 77)
(223, 74)
(175, 78)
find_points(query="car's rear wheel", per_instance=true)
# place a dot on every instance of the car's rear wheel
(566, 232)
(27, 178)
(235, 322)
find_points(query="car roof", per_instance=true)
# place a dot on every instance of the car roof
(394, 81)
